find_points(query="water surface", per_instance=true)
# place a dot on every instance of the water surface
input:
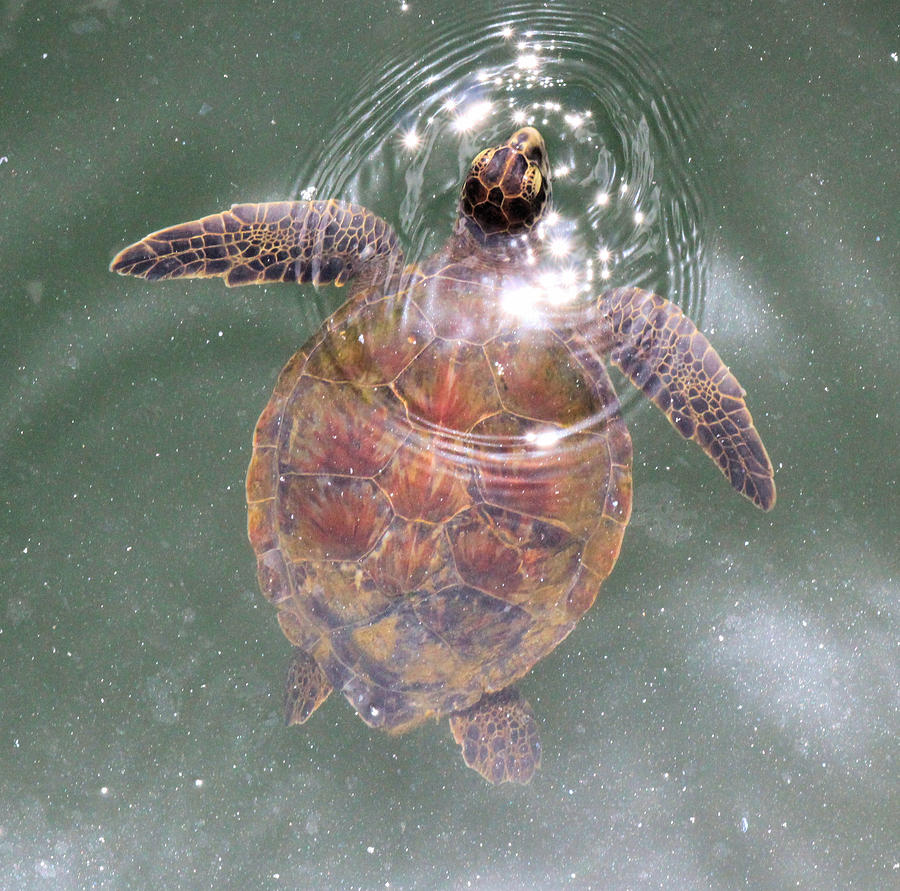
(726, 714)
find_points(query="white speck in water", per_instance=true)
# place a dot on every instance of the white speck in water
(45, 870)
(744, 824)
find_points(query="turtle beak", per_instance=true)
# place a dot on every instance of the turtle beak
(530, 143)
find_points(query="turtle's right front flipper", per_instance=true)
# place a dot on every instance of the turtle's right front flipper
(663, 353)
(284, 241)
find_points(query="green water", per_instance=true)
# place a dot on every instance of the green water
(725, 716)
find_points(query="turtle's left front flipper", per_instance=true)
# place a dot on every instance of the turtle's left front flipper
(280, 241)
(663, 353)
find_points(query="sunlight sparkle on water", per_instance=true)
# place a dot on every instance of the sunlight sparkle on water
(411, 140)
(530, 300)
(568, 279)
(521, 301)
(601, 198)
(472, 115)
(528, 61)
(560, 247)
(545, 439)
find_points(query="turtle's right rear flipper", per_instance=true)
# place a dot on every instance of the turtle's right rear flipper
(663, 353)
(283, 241)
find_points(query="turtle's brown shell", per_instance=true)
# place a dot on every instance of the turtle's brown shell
(436, 492)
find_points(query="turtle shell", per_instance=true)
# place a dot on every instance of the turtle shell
(436, 493)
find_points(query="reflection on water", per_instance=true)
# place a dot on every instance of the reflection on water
(626, 200)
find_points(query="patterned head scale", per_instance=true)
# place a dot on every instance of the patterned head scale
(507, 187)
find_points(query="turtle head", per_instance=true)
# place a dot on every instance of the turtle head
(507, 187)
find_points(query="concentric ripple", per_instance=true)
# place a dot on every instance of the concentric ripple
(626, 206)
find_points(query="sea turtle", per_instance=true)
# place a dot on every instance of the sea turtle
(442, 477)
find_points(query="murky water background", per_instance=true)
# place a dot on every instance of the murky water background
(726, 714)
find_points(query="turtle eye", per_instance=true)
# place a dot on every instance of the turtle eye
(535, 154)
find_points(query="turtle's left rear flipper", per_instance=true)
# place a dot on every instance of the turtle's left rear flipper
(663, 353)
(296, 241)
